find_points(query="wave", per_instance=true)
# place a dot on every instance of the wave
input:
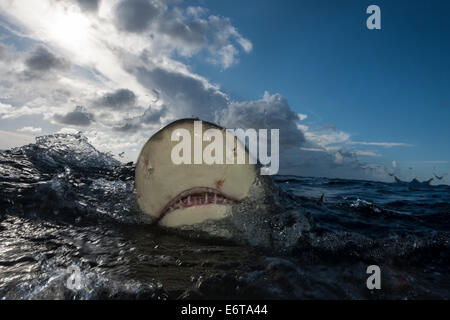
(63, 203)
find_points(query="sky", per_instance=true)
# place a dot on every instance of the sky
(349, 102)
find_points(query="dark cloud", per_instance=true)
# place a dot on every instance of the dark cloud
(193, 32)
(89, 5)
(129, 127)
(271, 112)
(135, 15)
(42, 60)
(186, 30)
(78, 117)
(118, 99)
(151, 116)
(185, 95)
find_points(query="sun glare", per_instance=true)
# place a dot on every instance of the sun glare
(69, 27)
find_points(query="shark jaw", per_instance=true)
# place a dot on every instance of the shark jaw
(176, 195)
(193, 205)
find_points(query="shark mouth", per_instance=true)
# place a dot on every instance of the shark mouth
(176, 195)
(197, 196)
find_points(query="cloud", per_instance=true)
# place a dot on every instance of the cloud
(30, 130)
(129, 70)
(42, 60)
(367, 153)
(271, 112)
(313, 149)
(5, 108)
(89, 5)
(184, 94)
(42, 63)
(103, 59)
(118, 99)
(312, 162)
(68, 130)
(136, 15)
(151, 116)
(338, 158)
(326, 137)
(193, 32)
(303, 151)
(6, 53)
(78, 117)
(383, 144)
(185, 31)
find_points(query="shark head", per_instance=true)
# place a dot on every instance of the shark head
(194, 193)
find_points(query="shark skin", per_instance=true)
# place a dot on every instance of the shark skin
(231, 201)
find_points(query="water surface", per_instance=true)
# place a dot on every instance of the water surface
(63, 204)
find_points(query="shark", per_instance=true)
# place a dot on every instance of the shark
(226, 200)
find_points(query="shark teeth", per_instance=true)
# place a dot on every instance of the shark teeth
(197, 199)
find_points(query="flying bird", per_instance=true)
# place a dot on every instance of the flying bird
(440, 177)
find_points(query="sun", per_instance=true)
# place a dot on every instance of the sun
(69, 27)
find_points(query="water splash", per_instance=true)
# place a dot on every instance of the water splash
(64, 203)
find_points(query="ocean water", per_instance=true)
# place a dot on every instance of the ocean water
(65, 206)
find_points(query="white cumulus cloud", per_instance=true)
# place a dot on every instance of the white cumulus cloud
(30, 130)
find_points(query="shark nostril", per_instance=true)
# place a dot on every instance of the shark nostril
(219, 184)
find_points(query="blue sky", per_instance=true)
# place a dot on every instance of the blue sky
(364, 98)
(391, 84)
